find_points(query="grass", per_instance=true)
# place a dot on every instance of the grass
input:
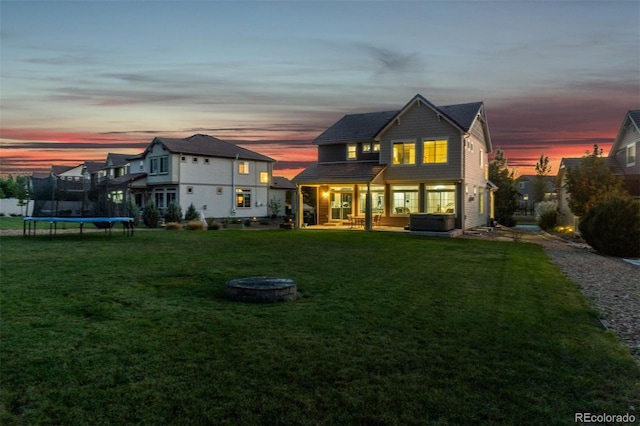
(388, 329)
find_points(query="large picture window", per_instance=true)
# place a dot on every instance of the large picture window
(404, 153)
(243, 198)
(441, 199)
(435, 151)
(377, 199)
(404, 199)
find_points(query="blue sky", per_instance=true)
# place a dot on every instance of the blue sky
(80, 79)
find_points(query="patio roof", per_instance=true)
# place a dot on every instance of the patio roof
(360, 172)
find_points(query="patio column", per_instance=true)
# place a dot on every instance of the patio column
(367, 209)
(299, 207)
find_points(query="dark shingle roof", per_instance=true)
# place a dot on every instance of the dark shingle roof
(281, 182)
(340, 172)
(635, 116)
(355, 127)
(117, 159)
(209, 146)
(463, 114)
(363, 127)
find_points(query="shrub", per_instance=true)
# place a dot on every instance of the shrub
(612, 227)
(247, 222)
(174, 212)
(133, 211)
(547, 214)
(151, 215)
(192, 213)
(172, 226)
(194, 225)
(213, 225)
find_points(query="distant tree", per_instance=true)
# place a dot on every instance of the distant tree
(192, 213)
(506, 196)
(541, 183)
(591, 181)
(151, 215)
(173, 213)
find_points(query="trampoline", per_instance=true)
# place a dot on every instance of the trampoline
(102, 202)
(108, 222)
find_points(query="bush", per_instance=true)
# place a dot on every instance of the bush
(612, 227)
(547, 214)
(213, 225)
(194, 225)
(133, 211)
(192, 213)
(172, 226)
(247, 222)
(151, 215)
(174, 212)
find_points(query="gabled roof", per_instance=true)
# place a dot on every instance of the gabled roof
(632, 118)
(356, 172)
(116, 160)
(57, 169)
(368, 126)
(569, 163)
(93, 166)
(356, 127)
(130, 177)
(281, 182)
(207, 146)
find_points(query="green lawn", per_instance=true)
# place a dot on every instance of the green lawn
(388, 329)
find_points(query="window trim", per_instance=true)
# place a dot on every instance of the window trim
(352, 151)
(404, 142)
(243, 167)
(435, 141)
(631, 146)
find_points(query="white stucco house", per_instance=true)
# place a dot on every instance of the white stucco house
(219, 178)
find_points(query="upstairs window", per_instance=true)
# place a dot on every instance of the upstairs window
(352, 151)
(404, 153)
(631, 155)
(376, 147)
(243, 167)
(264, 177)
(366, 147)
(435, 151)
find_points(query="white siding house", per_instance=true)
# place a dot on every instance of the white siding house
(219, 178)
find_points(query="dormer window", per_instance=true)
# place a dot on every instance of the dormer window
(366, 147)
(376, 147)
(352, 151)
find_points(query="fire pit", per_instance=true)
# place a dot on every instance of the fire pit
(261, 289)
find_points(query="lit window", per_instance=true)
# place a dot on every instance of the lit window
(243, 167)
(352, 151)
(376, 147)
(404, 199)
(264, 177)
(481, 158)
(481, 202)
(377, 199)
(631, 155)
(441, 199)
(243, 198)
(366, 147)
(435, 151)
(404, 153)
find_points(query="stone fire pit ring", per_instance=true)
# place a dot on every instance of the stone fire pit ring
(261, 289)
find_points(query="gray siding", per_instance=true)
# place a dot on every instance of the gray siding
(418, 123)
(338, 152)
(630, 136)
(474, 178)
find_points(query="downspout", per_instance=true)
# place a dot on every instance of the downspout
(233, 186)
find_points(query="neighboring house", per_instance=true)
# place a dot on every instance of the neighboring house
(624, 150)
(116, 165)
(527, 187)
(219, 178)
(419, 159)
(281, 193)
(621, 160)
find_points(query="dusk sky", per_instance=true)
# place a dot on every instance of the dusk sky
(81, 79)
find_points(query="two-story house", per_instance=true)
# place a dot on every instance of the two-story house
(419, 159)
(621, 160)
(219, 178)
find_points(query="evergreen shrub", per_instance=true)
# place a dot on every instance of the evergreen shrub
(612, 227)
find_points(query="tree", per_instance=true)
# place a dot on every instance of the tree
(591, 181)
(506, 196)
(541, 183)
(174, 212)
(192, 213)
(151, 215)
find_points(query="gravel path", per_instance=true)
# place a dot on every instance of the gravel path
(611, 284)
